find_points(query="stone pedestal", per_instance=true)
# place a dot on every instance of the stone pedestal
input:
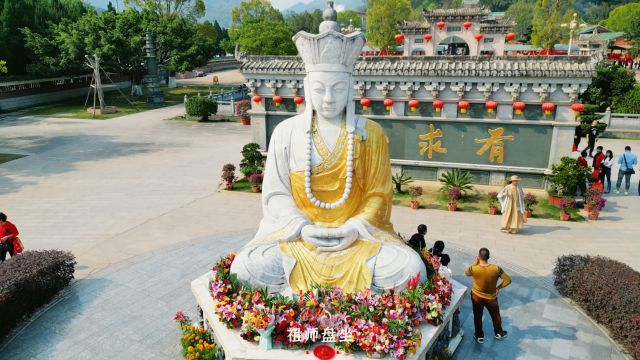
(434, 338)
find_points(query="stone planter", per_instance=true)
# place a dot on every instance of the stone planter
(245, 121)
(452, 206)
(554, 200)
(493, 210)
(415, 204)
(528, 213)
(565, 216)
(587, 208)
(255, 188)
(593, 215)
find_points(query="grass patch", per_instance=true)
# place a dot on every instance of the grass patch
(9, 157)
(242, 185)
(73, 108)
(477, 202)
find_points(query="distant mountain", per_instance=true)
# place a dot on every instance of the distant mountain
(320, 4)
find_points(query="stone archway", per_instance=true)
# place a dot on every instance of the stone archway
(453, 45)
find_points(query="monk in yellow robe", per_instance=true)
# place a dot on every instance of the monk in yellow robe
(513, 207)
(327, 190)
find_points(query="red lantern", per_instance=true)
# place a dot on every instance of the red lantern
(428, 37)
(519, 106)
(388, 103)
(547, 107)
(478, 37)
(413, 104)
(490, 105)
(298, 100)
(467, 25)
(256, 99)
(365, 102)
(441, 25)
(577, 108)
(438, 104)
(399, 38)
(510, 36)
(278, 100)
(463, 105)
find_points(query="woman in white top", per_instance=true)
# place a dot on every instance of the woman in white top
(607, 163)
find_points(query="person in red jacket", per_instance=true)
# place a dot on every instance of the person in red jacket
(8, 233)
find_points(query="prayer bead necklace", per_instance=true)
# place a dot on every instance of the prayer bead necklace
(349, 180)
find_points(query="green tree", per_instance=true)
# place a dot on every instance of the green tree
(382, 17)
(497, 5)
(521, 13)
(345, 16)
(305, 21)
(622, 18)
(611, 81)
(189, 8)
(35, 15)
(3, 67)
(549, 15)
(628, 103)
(259, 29)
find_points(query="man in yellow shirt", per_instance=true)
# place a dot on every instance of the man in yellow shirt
(485, 293)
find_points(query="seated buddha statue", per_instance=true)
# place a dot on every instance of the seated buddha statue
(327, 190)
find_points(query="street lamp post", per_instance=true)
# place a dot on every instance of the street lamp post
(572, 26)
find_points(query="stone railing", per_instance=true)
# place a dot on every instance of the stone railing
(617, 122)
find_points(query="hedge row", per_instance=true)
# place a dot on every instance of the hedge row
(609, 291)
(28, 281)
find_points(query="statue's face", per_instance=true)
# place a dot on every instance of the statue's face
(329, 92)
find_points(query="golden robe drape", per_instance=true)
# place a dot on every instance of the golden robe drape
(512, 218)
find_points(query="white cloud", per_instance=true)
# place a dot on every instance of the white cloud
(339, 8)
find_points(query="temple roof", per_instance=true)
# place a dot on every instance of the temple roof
(438, 66)
(459, 14)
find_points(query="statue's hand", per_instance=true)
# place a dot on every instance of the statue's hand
(330, 239)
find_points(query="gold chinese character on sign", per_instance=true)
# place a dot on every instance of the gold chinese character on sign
(495, 142)
(429, 146)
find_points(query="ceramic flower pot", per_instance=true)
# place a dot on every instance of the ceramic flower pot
(452, 206)
(587, 208)
(255, 188)
(593, 215)
(246, 121)
(565, 216)
(415, 204)
(528, 213)
(493, 210)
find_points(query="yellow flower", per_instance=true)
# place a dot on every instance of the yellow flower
(190, 349)
(200, 347)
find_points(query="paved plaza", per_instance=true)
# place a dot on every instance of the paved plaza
(136, 200)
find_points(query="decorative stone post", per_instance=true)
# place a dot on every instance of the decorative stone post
(154, 94)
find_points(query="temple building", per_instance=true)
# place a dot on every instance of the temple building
(493, 115)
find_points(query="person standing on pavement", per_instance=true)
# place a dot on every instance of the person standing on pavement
(592, 137)
(8, 233)
(627, 161)
(484, 293)
(607, 163)
(417, 242)
(577, 136)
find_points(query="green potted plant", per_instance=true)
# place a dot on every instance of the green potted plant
(415, 192)
(228, 175)
(399, 180)
(256, 182)
(493, 202)
(201, 106)
(566, 203)
(565, 179)
(596, 203)
(530, 201)
(252, 160)
(454, 194)
(242, 110)
(456, 178)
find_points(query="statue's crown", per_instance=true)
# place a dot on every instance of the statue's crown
(329, 50)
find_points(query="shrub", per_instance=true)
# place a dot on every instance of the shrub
(399, 180)
(530, 201)
(456, 178)
(201, 106)
(566, 176)
(28, 281)
(252, 161)
(197, 342)
(242, 108)
(607, 290)
(629, 103)
(454, 194)
(564, 266)
(415, 192)
(493, 199)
